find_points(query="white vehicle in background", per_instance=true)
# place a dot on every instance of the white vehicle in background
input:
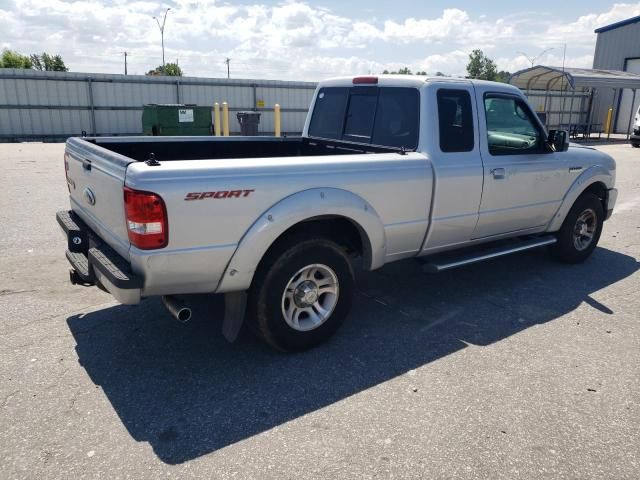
(451, 170)
(635, 135)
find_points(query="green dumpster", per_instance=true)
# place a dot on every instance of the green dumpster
(177, 119)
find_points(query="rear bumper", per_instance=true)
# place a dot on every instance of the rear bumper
(96, 263)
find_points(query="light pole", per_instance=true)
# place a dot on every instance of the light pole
(161, 27)
(533, 59)
(228, 61)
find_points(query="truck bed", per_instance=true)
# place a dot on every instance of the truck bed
(197, 148)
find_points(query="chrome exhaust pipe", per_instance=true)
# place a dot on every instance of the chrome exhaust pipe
(177, 308)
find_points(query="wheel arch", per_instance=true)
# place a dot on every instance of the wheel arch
(596, 180)
(336, 213)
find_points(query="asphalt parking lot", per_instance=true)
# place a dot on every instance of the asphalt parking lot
(515, 368)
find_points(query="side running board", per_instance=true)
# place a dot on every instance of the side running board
(447, 262)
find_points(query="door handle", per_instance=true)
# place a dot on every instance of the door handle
(86, 164)
(498, 173)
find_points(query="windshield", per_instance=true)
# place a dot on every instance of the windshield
(387, 116)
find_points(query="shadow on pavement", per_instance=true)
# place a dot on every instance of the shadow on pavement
(187, 392)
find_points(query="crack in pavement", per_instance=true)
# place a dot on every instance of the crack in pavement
(8, 397)
(56, 316)
(6, 292)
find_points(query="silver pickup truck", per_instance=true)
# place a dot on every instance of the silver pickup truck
(388, 167)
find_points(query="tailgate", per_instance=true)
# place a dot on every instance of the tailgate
(96, 179)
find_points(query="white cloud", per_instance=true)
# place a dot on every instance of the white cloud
(293, 39)
(582, 29)
(450, 63)
(454, 26)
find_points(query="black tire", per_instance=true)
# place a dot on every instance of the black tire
(266, 303)
(635, 145)
(566, 249)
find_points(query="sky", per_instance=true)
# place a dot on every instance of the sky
(310, 40)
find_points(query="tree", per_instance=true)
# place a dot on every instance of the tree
(11, 59)
(169, 69)
(481, 67)
(503, 76)
(49, 63)
(403, 71)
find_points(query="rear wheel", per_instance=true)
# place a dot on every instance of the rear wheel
(301, 293)
(635, 145)
(581, 230)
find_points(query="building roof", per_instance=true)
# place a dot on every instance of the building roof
(622, 23)
(542, 77)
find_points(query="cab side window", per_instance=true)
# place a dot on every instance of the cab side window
(455, 120)
(511, 129)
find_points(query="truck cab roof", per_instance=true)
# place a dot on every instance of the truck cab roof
(416, 81)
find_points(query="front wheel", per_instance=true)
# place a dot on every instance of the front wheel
(581, 230)
(301, 293)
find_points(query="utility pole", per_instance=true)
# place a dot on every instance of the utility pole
(533, 59)
(125, 62)
(227, 61)
(161, 27)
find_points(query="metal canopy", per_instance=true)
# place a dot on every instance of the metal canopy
(542, 77)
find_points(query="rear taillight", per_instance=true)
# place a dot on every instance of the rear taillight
(146, 219)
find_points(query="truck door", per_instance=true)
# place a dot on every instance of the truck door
(523, 181)
(453, 149)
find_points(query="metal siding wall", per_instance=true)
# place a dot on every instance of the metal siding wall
(118, 101)
(131, 94)
(612, 48)
(285, 97)
(603, 99)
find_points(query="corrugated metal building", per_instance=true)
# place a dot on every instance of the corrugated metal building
(617, 48)
(55, 105)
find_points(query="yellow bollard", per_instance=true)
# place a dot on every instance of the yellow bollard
(276, 112)
(607, 127)
(225, 119)
(216, 118)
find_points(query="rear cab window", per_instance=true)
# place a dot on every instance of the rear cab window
(455, 119)
(385, 116)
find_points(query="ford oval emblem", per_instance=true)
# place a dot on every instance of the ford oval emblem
(89, 196)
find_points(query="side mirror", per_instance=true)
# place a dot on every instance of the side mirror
(558, 140)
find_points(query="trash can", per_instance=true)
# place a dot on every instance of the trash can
(176, 119)
(249, 122)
